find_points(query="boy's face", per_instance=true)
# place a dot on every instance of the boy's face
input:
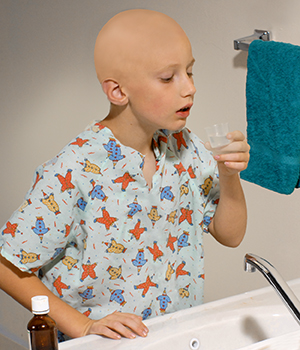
(160, 86)
(150, 57)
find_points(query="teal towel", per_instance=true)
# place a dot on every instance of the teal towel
(273, 115)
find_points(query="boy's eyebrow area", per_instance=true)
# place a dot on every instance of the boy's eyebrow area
(191, 63)
(175, 65)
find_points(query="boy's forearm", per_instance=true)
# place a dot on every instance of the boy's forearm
(22, 286)
(229, 223)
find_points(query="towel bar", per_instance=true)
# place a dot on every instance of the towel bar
(243, 43)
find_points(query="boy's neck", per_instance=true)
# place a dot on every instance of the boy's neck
(128, 131)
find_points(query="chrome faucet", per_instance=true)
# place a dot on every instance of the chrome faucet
(254, 262)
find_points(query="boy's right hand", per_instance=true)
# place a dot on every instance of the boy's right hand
(118, 324)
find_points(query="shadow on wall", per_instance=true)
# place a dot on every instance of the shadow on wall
(240, 60)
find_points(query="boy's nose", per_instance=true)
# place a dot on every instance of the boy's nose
(188, 88)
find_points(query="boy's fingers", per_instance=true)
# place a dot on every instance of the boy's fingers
(233, 157)
(120, 324)
(239, 166)
(238, 144)
(236, 159)
(107, 332)
(135, 324)
(120, 328)
(237, 150)
(235, 136)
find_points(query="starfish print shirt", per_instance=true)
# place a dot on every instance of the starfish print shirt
(101, 240)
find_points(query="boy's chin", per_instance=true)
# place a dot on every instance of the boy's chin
(177, 126)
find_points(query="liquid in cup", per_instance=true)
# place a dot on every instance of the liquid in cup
(217, 136)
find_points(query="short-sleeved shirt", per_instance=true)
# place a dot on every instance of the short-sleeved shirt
(102, 240)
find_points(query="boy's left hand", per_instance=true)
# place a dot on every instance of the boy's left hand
(235, 156)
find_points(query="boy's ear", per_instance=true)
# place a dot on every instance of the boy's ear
(114, 92)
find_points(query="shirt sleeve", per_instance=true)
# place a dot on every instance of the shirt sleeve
(42, 227)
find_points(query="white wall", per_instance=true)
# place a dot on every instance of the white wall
(49, 93)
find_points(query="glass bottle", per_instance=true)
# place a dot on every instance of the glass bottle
(41, 328)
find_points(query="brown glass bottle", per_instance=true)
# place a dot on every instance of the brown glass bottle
(41, 328)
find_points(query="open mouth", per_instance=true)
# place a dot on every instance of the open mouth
(185, 108)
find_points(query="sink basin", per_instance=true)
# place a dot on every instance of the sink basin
(257, 318)
(289, 341)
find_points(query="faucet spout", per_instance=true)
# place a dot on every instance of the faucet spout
(254, 262)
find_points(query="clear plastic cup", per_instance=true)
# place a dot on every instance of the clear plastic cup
(217, 136)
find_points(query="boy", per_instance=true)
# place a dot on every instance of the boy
(113, 225)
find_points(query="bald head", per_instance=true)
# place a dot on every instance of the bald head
(130, 39)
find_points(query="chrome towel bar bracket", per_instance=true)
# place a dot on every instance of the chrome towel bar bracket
(243, 43)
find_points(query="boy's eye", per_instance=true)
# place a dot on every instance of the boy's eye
(167, 80)
(190, 74)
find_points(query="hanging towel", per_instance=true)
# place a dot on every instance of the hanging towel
(273, 115)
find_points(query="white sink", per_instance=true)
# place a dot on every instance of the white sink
(289, 341)
(254, 320)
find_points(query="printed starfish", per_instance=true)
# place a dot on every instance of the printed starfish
(137, 231)
(59, 285)
(186, 215)
(10, 229)
(171, 241)
(157, 253)
(157, 165)
(37, 179)
(180, 168)
(88, 271)
(191, 172)
(68, 229)
(180, 271)
(180, 140)
(79, 142)
(106, 220)
(87, 312)
(66, 183)
(162, 139)
(99, 126)
(124, 180)
(146, 285)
